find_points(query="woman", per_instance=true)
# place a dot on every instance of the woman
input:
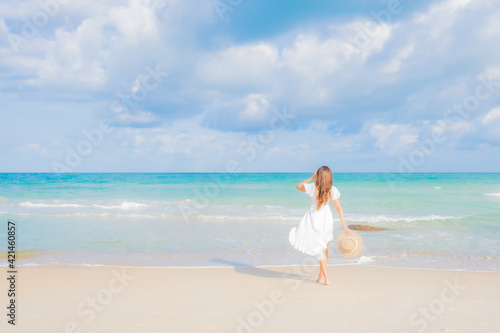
(315, 231)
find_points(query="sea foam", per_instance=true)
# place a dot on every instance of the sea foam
(29, 204)
(126, 205)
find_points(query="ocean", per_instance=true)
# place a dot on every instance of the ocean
(433, 220)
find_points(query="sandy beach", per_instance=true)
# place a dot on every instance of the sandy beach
(270, 299)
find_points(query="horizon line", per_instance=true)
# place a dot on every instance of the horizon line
(247, 172)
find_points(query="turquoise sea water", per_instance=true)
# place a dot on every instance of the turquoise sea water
(446, 221)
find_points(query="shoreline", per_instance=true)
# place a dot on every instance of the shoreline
(254, 299)
(69, 266)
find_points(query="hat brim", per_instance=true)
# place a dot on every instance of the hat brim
(358, 249)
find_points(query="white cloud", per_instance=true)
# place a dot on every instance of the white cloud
(491, 73)
(364, 38)
(105, 44)
(306, 68)
(81, 56)
(397, 61)
(290, 149)
(4, 30)
(490, 27)
(441, 16)
(394, 138)
(257, 107)
(350, 144)
(247, 65)
(489, 126)
(452, 132)
(311, 57)
(183, 139)
(74, 58)
(92, 49)
(490, 116)
(136, 117)
(136, 22)
(31, 150)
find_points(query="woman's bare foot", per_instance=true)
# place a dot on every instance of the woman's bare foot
(321, 280)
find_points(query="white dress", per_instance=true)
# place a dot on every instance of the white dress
(316, 228)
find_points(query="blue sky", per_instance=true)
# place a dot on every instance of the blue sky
(195, 86)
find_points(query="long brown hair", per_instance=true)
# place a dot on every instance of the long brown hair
(323, 185)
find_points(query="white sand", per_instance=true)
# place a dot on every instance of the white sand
(286, 299)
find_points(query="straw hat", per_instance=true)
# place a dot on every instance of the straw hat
(350, 246)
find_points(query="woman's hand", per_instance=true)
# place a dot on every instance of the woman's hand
(347, 231)
(301, 187)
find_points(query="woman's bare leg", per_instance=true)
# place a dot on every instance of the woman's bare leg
(323, 270)
(320, 277)
(327, 282)
(323, 273)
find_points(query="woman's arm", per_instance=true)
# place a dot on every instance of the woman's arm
(336, 203)
(300, 186)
